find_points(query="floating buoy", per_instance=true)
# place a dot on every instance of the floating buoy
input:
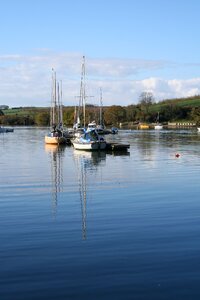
(177, 155)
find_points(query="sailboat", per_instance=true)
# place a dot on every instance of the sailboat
(86, 140)
(77, 128)
(89, 141)
(100, 127)
(93, 125)
(56, 134)
(158, 125)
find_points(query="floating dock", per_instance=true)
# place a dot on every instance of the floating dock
(117, 146)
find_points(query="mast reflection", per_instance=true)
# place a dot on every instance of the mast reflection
(56, 154)
(86, 161)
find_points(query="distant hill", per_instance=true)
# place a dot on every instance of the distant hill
(169, 110)
(188, 102)
(182, 102)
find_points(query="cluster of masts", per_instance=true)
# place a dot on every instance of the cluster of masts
(80, 136)
(56, 115)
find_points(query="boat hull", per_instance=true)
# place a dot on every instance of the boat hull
(90, 146)
(4, 129)
(158, 127)
(55, 140)
(143, 126)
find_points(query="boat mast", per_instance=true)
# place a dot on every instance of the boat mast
(100, 111)
(82, 92)
(84, 99)
(52, 114)
(61, 105)
(60, 114)
(51, 109)
(58, 106)
(158, 118)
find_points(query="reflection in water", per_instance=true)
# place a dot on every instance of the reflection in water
(56, 153)
(86, 161)
(142, 142)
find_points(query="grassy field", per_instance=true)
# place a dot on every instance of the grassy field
(185, 102)
(24, 111)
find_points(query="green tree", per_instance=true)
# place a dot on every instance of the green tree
(42, 119)
(68, 116)
(114, 115)
(131, 113)
(195, 115)
(172, 112)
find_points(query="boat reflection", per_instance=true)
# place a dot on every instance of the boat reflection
(90, 159)
(86, 162)
(56, 154)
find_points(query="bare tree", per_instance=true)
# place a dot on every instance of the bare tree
(146, 98)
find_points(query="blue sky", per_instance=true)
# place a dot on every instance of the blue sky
(130, 47)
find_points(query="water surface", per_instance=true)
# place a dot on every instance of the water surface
(81, 225)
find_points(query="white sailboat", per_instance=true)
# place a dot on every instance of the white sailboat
(90, 140)
(158, 125)
(100, 127)
(86, 140)
(56, 134)
(77, 128)
(91, 126)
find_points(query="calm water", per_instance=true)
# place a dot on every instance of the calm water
(78, 225)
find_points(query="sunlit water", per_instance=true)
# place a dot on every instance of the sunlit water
(81, 225)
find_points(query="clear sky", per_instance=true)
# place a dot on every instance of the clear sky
(130, 47)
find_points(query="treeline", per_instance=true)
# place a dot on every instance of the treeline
(187, 109)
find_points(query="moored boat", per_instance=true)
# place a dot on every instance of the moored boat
(91, 126)
(89, 141)
(114, 130)
(6, 129)
(158, 126)
(143, 126)
(57, 135)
